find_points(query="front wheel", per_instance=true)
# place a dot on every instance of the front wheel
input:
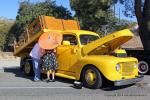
(92, 78)
(143, 67)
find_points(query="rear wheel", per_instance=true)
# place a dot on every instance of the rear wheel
(91, 77)
(143, 67)
(28, 68)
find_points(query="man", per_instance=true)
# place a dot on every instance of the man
(73, 41)
(36, 54)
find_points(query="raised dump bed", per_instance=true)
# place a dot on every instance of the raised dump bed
(39, 26)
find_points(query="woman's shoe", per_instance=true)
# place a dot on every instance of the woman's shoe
(46, 80)
(49, 80)
(53, 80)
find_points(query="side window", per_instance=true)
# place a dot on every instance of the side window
(71, 38)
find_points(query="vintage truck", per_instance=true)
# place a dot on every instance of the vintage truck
(83, 55)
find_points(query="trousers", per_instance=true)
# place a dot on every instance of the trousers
(36, 69)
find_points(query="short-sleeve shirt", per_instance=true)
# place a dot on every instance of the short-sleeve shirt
(37, 52)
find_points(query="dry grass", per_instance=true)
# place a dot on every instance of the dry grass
(7, 55)
(134, 43)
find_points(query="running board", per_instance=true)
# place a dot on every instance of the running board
(65, 76)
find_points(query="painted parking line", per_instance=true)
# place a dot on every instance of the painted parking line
(35, 87)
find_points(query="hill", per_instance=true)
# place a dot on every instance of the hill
(5, 25)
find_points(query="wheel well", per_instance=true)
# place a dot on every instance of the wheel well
(22, 62)
(23, 59)
(87, 66)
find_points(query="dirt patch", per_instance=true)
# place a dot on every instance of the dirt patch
(7, 55)
(135, 42)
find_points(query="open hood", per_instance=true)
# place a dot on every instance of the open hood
(108, 43)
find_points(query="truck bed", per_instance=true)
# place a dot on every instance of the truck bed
(39, 26)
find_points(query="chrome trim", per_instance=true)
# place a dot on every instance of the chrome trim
(129, 81)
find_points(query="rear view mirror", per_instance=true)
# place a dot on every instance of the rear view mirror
(66, 43)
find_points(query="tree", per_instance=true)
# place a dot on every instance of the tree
(92, 14)
(5, 25)
(29, 11)
(142, 13)
(97, 15)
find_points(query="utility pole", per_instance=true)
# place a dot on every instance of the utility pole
(119, 15)
(114, 10)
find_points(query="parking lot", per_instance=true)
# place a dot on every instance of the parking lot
(16, 86)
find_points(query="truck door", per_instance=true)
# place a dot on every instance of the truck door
(66, 54)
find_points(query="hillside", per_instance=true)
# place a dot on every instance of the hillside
(3, 19)
(5, 25)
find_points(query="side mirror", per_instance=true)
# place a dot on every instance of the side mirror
(66, 43)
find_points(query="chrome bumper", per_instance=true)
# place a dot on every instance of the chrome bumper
(128, 81)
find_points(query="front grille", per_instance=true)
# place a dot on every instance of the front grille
(127, 68)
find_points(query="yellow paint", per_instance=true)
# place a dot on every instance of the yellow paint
(73, 58)
(90, 77)
(120, 51)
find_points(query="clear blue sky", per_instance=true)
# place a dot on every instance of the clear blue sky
(9, 8)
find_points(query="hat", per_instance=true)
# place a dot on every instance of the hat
(50, 40)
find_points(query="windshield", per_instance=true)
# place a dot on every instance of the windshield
(87, 38)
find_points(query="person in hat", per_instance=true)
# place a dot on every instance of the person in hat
(36, 54)
(49, 41)
(49, 64)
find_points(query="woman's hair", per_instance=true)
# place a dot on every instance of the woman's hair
(49, 50)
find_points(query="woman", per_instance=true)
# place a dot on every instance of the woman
(49, 41)
(49, 63)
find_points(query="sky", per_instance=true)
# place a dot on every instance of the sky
(9, 8)
(119, 12)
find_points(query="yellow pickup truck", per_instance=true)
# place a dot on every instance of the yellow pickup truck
(83, 55)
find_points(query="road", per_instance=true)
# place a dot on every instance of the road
(16, 86)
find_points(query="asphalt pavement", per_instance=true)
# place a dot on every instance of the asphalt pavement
(14, 85)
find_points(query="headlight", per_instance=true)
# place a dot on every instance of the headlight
(135, 65)
(118, 67)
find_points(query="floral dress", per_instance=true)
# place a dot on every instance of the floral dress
(49, 61)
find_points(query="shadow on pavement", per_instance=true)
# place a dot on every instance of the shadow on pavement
(112, 88)
(148, 73)
(17, 72)
(60, 79)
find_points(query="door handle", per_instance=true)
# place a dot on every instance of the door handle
(75, 50)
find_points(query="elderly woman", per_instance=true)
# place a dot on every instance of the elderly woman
(49, 63)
